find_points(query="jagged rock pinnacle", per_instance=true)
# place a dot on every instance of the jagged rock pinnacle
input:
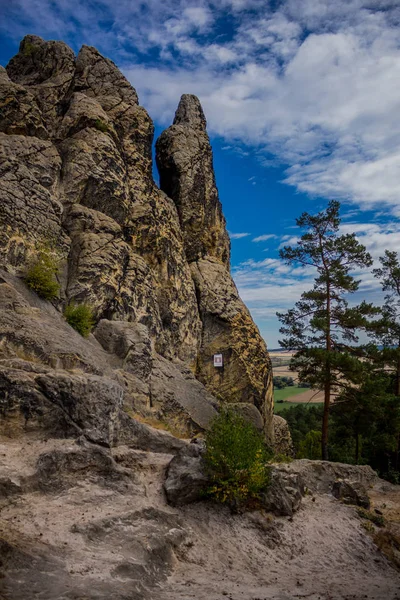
(190, 112)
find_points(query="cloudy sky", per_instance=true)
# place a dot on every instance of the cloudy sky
(302, 99)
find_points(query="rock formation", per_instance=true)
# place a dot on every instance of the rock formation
(76, 177)
(184, 160)
(86, 468)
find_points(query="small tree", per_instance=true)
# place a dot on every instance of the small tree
(321, 329)
(80, 317)
(235, 460)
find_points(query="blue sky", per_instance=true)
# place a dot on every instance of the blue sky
(302, 99)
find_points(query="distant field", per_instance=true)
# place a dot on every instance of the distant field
(288, 392)
(282, 405)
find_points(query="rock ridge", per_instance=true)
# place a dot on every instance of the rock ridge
(76, 176)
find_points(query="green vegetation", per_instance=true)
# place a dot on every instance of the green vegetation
(282, 382)
(281, 406)
(236, 461)
(42, 272)
(287, 392)
(101, 125)
(80, 317)
(322, 328)
(310, 446)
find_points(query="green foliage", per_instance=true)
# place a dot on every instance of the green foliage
(310, 446)
(281, 382)
(80, 317)
(41, 274)
(235, 460)
(322, 328)
(101, 125)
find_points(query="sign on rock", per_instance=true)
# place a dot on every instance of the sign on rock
(218, 361)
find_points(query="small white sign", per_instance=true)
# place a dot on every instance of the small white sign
(218, 361)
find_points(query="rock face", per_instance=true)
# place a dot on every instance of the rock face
(76, 179)
(184, 160)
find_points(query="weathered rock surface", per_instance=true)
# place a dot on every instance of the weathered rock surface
(76, 177)
(229, 329)
(283, 443)
(185, 478)
(351, 492)
(184, 160)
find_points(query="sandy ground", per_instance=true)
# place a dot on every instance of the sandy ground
(99, 532)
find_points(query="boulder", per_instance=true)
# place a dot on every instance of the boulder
(185, 478)
(284, 494)
(319, 476)
(351, 492)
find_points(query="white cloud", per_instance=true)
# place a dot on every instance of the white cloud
(265, 237)
(269, 286)
(312, 83)
(238, 236)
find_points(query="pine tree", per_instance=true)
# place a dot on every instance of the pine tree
(322, 328)
(387, 329)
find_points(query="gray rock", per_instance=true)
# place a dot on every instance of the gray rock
(229, 329)
(129, 341)
(184, 160)
(76, 176)
(47, 70)
(284, 494)
(283, 443)
(319, 475)
(179, 398)
(249, 412)
(88, 402)
(351, 492)
(185, 479)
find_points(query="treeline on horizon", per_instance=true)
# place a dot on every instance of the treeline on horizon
(362, 425)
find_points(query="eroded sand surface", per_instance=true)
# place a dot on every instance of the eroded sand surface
(91, 534)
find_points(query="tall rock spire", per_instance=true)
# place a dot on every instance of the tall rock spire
(185, 163)
(184, 159)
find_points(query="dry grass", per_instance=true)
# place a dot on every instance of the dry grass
(155, 423)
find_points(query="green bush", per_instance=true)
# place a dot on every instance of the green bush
(80, 317)
(101, 125)
(41, 275)
(235, 460)
(310, 446)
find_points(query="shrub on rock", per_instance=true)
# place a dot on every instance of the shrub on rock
(41, 275)
(235, 460)
(80, 317)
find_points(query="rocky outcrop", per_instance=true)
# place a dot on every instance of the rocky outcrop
(76, 180)
(184, 160)
(228, 328)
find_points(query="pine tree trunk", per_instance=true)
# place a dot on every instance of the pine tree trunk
(327, 399)
(357, 448)
(327, 386)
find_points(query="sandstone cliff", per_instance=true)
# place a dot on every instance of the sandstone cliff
(76, 176)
